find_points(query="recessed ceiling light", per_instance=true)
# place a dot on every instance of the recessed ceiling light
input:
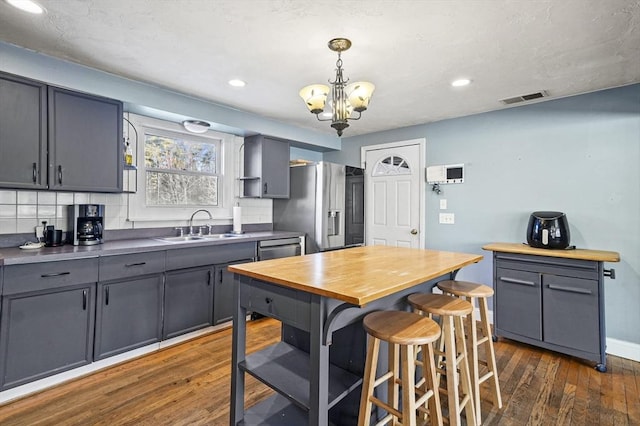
(27, 6)
(461, 82)
(237, 83)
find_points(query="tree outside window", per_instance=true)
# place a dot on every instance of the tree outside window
(180, 172)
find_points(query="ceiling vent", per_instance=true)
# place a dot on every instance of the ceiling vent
(523, 98)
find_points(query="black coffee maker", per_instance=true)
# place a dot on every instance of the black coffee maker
(85, 224)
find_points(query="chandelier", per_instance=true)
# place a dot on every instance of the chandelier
(345, 98)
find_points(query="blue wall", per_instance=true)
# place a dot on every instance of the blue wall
(579, 155)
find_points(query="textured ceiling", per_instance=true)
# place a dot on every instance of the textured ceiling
(411, 50)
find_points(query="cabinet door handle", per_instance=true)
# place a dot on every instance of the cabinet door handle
(265, 188)
(220, 275)
(55, 274)
(517, 281)
(106, 295)
(60, 174)
(129, 265)
(268, 300)
(569, 289)
(35, 173)
(209, 277)
(84, 300)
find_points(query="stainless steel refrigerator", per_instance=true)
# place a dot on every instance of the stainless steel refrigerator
(326, 202)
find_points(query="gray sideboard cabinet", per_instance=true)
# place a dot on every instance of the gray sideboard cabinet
(85, 142)
(552, 298)
(266, 167)
(47, 320)
(129, 302)
(23, 133)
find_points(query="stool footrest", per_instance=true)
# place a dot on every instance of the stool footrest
(481, 341)
(383, 378)
(485, 377)
(386, 407)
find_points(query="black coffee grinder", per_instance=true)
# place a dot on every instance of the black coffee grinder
(85, 224)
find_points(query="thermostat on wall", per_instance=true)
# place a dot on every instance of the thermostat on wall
(450, 173)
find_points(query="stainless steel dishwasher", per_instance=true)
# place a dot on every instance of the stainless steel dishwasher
(281, 247)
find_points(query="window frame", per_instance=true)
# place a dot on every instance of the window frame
(190, 137)
(138, 210)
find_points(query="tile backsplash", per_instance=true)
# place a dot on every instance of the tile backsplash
(22, 211)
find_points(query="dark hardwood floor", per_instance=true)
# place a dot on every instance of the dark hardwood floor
(188, 384)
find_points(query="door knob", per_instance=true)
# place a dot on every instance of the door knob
(414, 231)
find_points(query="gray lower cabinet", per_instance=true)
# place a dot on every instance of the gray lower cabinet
(129, 302)
(188, 301)
(223, 293)
(555, 303)
(85, 142)
(47, 319)
(23, 133)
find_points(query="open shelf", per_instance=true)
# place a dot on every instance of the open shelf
(285, 369)
(275, 410)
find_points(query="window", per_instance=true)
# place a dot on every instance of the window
(393, 165)
(180, 170)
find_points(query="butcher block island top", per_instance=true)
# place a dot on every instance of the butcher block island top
(357, 275)
(582, 254)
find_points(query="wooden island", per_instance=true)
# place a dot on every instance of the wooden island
(321, 299)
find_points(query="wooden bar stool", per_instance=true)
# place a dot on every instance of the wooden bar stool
(451, 311)
(402, 331)
(472, 291)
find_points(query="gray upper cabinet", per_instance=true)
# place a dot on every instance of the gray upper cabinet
(85, 142)
(23, 133)
(266, 167)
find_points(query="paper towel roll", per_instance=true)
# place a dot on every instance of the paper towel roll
(237, 219)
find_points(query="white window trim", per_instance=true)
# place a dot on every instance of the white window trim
(139, 211)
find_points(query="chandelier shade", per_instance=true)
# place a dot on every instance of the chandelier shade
(345, 98)
(315, 96)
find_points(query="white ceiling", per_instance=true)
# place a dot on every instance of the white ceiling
(410, 49)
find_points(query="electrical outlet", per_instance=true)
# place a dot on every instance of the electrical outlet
(447, 218)
(443, 204)
(39, 232)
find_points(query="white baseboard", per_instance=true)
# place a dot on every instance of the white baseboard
(47, 382)
(623, 349)
(614, 347)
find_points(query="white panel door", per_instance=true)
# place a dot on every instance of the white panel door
(393, 194)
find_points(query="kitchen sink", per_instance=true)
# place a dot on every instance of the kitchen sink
(181, 239)
(187, 238)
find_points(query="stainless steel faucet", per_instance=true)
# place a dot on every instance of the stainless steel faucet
(191, 219)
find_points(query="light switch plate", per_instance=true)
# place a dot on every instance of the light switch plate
(443, 204)
(447, 218)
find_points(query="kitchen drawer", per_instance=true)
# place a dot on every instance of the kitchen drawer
(131, 265)
(209, 255)
(285, 304)
(548, 265)
(48, 275)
